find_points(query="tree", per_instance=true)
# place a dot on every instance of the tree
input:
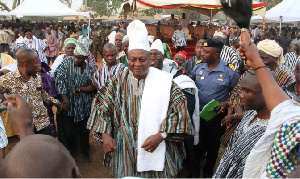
(67, 2)
(4, 7)
(105, 7)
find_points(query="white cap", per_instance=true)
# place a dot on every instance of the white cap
(157, 45)
(111, 37)
(138, 36)
(151, 38)
(218, 34)
(125, 39)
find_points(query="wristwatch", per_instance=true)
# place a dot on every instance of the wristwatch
(164, 135)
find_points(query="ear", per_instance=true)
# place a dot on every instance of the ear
(76, 173)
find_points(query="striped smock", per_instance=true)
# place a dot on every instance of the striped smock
(117, 112)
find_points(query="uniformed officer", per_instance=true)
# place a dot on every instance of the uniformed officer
(214, 79)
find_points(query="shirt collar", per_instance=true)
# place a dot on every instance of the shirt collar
(220, 67)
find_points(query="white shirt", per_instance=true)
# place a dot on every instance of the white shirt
(56, 63)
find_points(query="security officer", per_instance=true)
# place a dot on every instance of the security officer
(214, 79)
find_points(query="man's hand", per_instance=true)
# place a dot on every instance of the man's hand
(109, 144)
(180, 68)
(21, 114)
(76, 91)
(223, 107)
(227, 120)
(152, 142)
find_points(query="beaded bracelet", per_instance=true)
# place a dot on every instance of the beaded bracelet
(259, 67)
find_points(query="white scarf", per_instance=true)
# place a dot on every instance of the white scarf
(285, 113)
(154, 107)
(185, 82)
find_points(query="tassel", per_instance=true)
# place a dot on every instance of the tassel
(239, 10)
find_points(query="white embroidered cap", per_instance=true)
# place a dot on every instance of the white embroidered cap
(138, 36)
(157, 45)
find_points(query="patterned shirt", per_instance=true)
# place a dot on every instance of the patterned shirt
(3, 136)
(68, 77)
(32, 92)
(230, 55)
(241, 143)
(117, 113)
(291, 60)
(180, 38)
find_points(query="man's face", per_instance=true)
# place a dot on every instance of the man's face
(198, 50)
(118, 41)
(179, 60)
(28, 35)
(209, 54)
(268, 60)
(48, 30)
(251, 95)
(21, 33)
(179, 27)
(32, 67)
(79, 60)
(110, 56)
(262, 36)
(125, 46)
(156, 59)
(69, 49)
(139, 63)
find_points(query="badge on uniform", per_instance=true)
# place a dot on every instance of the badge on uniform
(220, 78)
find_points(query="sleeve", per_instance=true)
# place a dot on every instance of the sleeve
(177, 120)
(174, 36)
(193, 74)
(4, 86)
(42, 44)
(235, 60)
(101, 118)
(3, 136)
(185, 36)
(49, 99)
(60, 76)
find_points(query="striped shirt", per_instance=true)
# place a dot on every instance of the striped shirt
(103, 74)
(68, 77)
(117, 112)
(180, 38)
(189, 64)
(291, 60)
(3, 136)
(39, 46)
(283, 77)
(241, 143)
(230, 55)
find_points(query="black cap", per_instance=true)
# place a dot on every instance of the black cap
(215, 43)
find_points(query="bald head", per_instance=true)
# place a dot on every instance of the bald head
(25, 55)
(109, 46)
(39, 156)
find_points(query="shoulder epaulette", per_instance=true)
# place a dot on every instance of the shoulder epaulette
(233, 68)
(199, 61)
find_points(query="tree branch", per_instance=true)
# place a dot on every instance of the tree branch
(4, 6)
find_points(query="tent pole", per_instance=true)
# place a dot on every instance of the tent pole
(211, 16)
(280, 21)
(89, 27)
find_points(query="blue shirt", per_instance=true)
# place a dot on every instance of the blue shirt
(216, 84)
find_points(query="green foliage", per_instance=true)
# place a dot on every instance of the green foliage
(271, 3)
(105, 7)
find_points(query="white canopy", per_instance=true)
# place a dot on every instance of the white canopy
(288, 9)
(49, 8)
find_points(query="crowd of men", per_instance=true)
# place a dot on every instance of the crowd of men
(153, 113)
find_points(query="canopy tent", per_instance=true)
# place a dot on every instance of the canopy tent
(287, 10)
(206, 7)
(47, 8)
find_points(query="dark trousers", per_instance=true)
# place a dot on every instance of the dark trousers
(180, 49)
(45, 131)
(191, 162)
(209, 143)
(70, 128)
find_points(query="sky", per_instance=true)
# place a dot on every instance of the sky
(75, 4)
